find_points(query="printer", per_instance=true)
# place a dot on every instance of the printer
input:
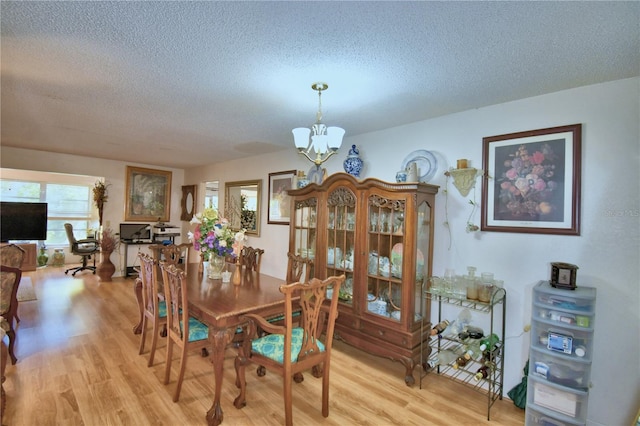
(165, 232)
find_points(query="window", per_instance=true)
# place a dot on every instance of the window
(69, 200)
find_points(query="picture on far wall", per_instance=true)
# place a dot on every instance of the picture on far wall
(532, 181)
(279, 207)
(147, 195)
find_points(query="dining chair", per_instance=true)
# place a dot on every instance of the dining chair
(9, 282)
(155, 307)
(289, 350)
(12, 255)
(177, 255)
(250, 258)
(186, 332)
(298, 268)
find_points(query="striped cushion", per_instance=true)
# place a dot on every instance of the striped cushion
(197, 330)
(272, 346)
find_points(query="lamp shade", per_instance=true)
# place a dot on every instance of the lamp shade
(334, 137)
(301, 137)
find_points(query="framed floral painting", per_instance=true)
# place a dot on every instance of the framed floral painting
(279, 200)
(148, 195)
(532, 181)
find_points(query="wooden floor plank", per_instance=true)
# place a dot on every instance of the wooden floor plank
(78, 364)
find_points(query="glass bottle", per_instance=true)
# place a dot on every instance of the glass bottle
(440, 327)
(491, 341)
(444, 357)
(482, 373)
(462, 360)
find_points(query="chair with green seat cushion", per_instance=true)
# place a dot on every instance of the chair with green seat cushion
(299, 269)
(289, 350)
(183, 330)
(154, 307)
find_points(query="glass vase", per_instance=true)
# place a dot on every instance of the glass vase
(215, 266)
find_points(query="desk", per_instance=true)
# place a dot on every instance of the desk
(130, 270)
(220, 305)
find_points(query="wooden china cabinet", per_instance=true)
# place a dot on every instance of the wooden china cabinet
(380, 235)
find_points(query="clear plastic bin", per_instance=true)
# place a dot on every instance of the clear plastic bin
(574, 373)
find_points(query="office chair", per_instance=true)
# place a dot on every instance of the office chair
(84, 248)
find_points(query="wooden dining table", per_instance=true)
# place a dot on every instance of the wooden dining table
(221, 306)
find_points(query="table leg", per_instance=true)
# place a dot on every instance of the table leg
(137, 290)
(219, 341)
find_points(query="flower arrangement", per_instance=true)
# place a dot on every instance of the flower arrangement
(213, 234)
(100, 197)
(528, 184)
(109, 241)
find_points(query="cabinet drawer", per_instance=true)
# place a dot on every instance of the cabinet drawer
(555, 368)
(386, 333)
(571, 342)
(563, 402)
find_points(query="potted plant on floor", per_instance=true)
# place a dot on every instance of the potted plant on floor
(108, 242)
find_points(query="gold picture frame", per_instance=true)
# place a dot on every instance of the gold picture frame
(147, 195)
(279, 201)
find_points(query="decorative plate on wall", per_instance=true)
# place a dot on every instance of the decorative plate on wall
(425, 161)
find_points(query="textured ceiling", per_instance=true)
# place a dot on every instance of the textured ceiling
(182, 84)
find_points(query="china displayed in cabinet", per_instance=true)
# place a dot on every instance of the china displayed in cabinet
(562, 326)
(380, 235)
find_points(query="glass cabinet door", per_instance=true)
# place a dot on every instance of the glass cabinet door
(305, 231)
(423, 236)
(341, 224)
(385, 236)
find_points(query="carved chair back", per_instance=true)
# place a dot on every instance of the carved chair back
(11, 255)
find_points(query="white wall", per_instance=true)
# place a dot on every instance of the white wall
(114, 173)
(607, 251)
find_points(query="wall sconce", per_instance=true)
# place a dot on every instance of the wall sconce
(464, 178)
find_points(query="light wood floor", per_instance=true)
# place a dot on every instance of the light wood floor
(78, 364)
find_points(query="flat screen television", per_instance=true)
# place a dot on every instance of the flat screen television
(134, 232)
(23, 221)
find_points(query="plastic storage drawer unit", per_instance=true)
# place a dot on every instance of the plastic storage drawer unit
(562, 325)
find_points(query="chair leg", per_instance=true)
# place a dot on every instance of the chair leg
(325, 392)
(144, 334)
(154, 342)
(12, 340)
(241, 383)
(167, 369)
(288, 409)
(183, 364)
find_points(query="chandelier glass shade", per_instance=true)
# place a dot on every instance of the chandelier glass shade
(319, 142)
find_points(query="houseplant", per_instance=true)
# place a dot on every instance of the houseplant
(108, 243)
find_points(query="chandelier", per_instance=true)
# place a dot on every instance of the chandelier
(322, 140)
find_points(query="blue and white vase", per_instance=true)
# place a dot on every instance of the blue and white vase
(353, 163)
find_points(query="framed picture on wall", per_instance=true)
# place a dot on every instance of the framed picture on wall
(279, 201)
(532, 181)
(147, 195)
